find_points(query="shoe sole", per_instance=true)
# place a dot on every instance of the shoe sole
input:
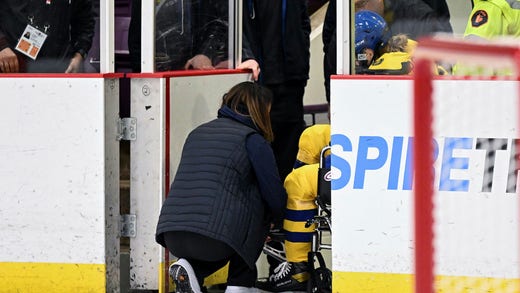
(181, 278)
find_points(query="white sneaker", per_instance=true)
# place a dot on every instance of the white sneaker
(239, 289)
(184, 277)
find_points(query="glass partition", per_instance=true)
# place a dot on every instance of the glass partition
(192, 34)
(386, 32)
(92, 61)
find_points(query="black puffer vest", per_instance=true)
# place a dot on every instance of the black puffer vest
(215, 192)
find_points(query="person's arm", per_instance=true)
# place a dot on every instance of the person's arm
(485, 21)
(75, 64)
(199, 61)
(306, 21)
(3, 41)
(329, 25)
(8, 59)
(82, 31)
(264, 164)
(253, 65)
(249, 60)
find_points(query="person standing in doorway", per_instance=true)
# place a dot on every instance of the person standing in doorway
(276, 46)
(277, 33)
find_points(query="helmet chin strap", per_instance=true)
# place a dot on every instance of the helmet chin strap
(362, 64)
(362, 59)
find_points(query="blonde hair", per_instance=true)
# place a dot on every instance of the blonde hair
(252, 100)
(397, 43)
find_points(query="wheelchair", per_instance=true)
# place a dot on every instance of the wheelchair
(320, 276)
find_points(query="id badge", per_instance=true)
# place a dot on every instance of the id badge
(31, 41)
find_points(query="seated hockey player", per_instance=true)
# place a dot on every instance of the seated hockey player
(301, 187)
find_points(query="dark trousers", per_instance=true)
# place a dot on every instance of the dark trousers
(288, 123)
(207, 255)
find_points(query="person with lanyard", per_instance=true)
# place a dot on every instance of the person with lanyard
(45, 35)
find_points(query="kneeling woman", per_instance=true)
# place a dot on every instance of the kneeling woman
(225, 194)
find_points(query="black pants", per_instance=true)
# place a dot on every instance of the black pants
(288, 123)
(207, 255)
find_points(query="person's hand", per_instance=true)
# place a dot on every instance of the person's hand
(8, 61)
(253, 65)
(199, 62)
(268, 238)
(75, 64)
(223, 64)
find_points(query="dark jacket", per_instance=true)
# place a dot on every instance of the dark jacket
(416, 18)
(216, 192)
(277, 31)
(440, 7)
(70, 29)
(329, 46)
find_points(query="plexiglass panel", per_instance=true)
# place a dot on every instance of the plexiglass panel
(192, 34)
(386, 32)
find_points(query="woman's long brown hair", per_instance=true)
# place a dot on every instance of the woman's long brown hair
(254, 99)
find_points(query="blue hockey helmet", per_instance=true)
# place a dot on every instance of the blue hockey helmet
(370, 28)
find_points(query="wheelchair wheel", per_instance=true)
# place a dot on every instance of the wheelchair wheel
(321, 281)
(321, 277)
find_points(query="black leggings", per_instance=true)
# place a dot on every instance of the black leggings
(207, 255)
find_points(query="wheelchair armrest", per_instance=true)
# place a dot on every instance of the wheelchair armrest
(277, 235)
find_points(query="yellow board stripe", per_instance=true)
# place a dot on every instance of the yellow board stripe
(52, 277)
(448, 284)
(404, 283)
(371, 282)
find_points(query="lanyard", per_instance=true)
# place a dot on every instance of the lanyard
(41, 12)
(251, 9)
(284, 16)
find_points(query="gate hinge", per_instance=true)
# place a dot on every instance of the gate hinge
(128, 225)
(127, 129)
